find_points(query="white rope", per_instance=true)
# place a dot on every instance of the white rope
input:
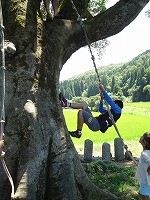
(2, 119)
(86, 37)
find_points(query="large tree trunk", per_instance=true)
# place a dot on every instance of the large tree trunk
(39, 151)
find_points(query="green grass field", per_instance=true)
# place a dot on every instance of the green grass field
(135, 120)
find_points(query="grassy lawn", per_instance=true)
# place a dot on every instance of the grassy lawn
(119, 180)
(133, 123)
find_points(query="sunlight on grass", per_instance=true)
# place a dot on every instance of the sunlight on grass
(132, 124)
(117, 179)
(145, 105)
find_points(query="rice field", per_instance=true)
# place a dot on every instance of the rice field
(135, 120)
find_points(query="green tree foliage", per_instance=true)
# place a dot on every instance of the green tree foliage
(146, 92)
(96, 6)
(130, 79)
(113, 84)
(93, 102)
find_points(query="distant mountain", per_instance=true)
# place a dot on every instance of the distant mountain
(129, 79)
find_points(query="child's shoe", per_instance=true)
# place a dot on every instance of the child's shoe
(64, 102)
(75, 134)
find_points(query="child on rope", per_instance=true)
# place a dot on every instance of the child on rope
(55, 5)
(143, 170)
(101, 122)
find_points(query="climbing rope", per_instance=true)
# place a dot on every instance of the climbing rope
(2, 119)
(93, 59)
(86, 37)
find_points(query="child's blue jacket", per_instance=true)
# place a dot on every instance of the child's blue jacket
(104, 119)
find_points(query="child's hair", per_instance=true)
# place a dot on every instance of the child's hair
(146, 140)
(119, 103)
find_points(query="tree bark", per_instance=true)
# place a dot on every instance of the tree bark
(40, 154)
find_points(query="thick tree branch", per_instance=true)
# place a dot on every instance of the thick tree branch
(114, 20)
(105, 24)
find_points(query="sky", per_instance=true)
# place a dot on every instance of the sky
(129, 43)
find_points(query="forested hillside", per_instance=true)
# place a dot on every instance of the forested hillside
(130, 80)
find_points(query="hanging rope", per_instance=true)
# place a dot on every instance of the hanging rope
(2, 119)
(93, 59)
(86, 37)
